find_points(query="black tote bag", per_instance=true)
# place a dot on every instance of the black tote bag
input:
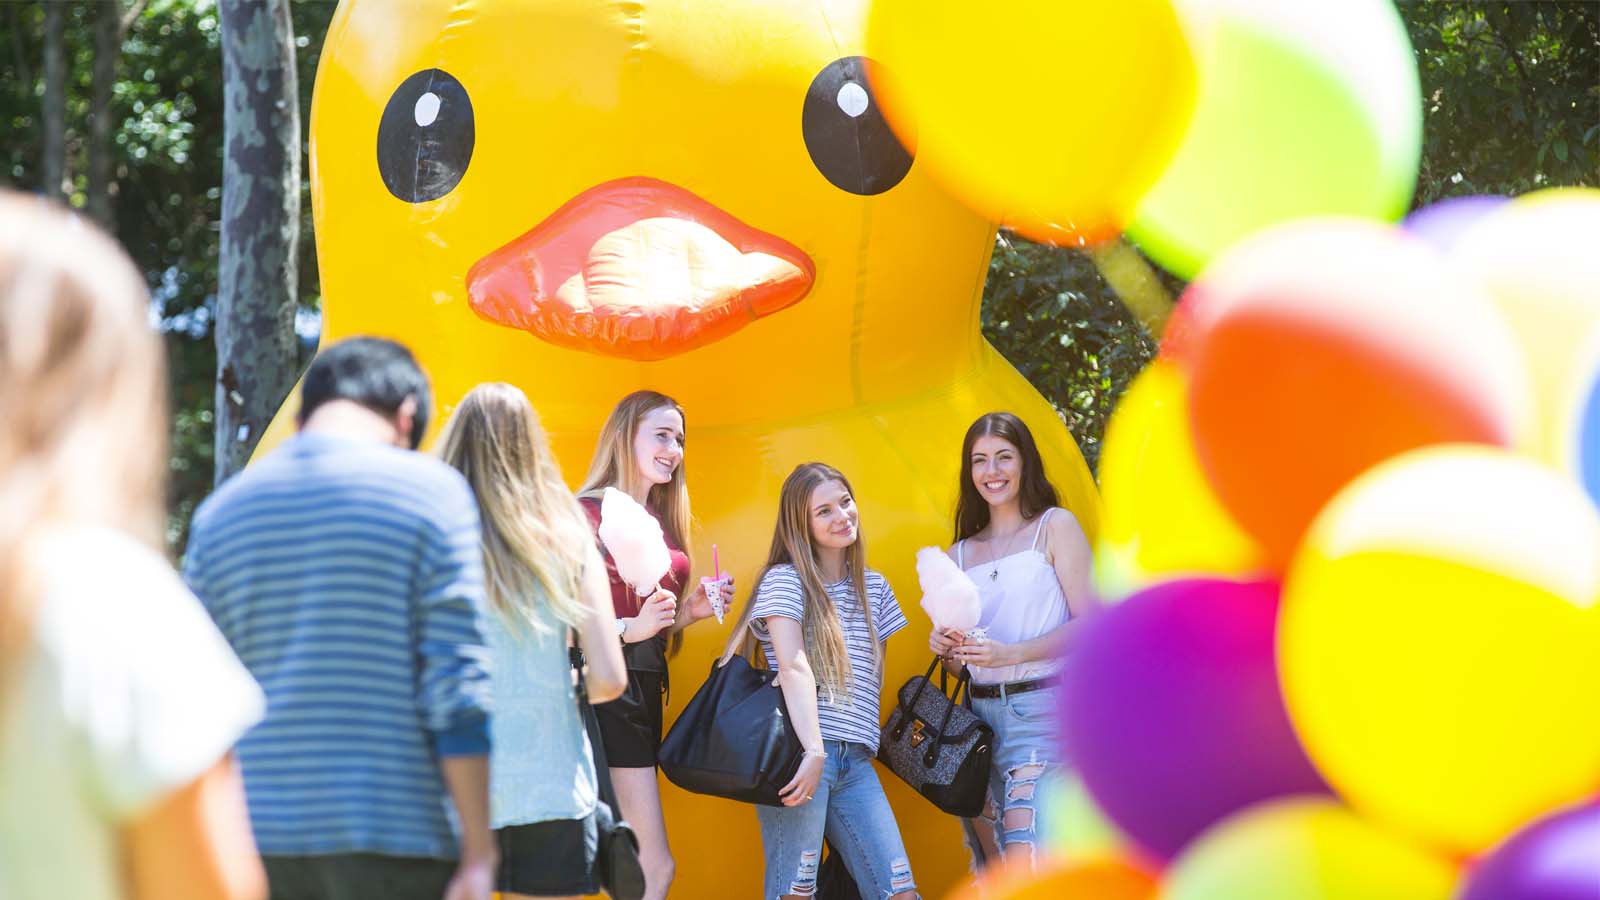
(733, 738)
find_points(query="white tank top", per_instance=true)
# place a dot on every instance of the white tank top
(1022, 599)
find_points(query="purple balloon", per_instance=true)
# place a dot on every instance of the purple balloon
(1172, 713)
(1444, 222)
(1555, 858)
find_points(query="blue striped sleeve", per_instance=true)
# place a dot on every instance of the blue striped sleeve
(886, 613)
(455, 658)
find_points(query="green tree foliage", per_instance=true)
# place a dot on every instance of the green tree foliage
(1511, 95)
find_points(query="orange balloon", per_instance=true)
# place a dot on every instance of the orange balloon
(1320, 348)
(1057, 879)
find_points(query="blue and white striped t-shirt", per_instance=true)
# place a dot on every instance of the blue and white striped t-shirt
(348, 577)
(852, 715)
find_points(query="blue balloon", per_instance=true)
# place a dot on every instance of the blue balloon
(1589, 440)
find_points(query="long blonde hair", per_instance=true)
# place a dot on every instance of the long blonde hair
(794, 545)
(614, 465)
(82, 396)
(535, 536)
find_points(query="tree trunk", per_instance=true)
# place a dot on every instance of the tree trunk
(107, 50)
(256, 344)
(53, 170)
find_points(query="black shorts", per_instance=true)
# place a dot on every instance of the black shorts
(356, 876)
(630, 726)
(549, 859)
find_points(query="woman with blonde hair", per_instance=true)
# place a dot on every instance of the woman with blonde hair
(820, 618)
(640, 452)
(546, 586)
(119, 701)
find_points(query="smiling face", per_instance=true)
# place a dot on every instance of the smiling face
(996, 468)
(835, 523)
(658, 444)
(579, 199)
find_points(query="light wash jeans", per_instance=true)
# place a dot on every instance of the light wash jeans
(1027, 746)
(850, 808)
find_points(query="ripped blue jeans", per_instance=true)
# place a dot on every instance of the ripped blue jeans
(850, 808)
(1026, 747)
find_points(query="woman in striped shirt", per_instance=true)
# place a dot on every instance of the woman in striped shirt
(820, 617)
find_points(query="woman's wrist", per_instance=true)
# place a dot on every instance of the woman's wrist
(819, 752)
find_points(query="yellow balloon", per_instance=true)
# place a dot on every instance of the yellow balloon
(1536, 257)
(1074, 828)
(588, 197)
(1307, 848)
(1438, 658)
(1161, 517)
(1051, 117)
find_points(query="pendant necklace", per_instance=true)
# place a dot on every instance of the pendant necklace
(994, 562)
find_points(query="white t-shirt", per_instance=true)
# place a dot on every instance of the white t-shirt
(128, 694)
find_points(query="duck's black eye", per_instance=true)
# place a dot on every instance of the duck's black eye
(425, 137)
(846, 135)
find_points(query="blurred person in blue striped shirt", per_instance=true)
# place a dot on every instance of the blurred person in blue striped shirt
(345, 570)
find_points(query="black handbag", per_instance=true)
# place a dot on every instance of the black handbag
(733, 738)
(936, 745)
(617, 856)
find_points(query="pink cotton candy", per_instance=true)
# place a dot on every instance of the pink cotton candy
(948, 595)
(633, 538)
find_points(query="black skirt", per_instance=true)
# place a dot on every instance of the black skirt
(549, 859)
(630, 726)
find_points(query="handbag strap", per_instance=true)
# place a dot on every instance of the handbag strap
(591, 724)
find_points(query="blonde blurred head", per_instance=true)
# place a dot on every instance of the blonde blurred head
(535, 536)
(82, 395)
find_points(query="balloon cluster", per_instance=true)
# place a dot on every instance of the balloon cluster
(1351, 532)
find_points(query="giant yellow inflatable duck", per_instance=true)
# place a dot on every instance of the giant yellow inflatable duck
(586, 197)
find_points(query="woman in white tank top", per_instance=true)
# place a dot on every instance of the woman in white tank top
(1031, 563)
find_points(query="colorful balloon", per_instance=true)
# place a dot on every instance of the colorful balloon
(1320, 348)
(1439, 660)
(1074, 827)
(1054, 878)
(1443, 223)
(1582, 445)
(1161, 518)
(1052, 118)
(1536, 258)
(1555, 858)
(1305, 109)
(1305, 849)
(1171, 710)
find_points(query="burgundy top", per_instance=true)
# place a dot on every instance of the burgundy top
(646, 655)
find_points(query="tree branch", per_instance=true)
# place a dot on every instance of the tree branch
(131, 16)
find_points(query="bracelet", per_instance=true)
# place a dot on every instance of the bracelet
(819, 754)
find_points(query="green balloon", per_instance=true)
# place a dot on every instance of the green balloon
(1280, 133)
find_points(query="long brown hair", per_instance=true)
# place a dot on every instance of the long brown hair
(614, 465)
(1035, 494)
(535, 536)
(794, 545)
(82, 396)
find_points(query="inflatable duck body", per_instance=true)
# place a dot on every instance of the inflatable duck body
(588, 197)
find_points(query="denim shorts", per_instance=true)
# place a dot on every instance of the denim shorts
(850, 809)
(1027, 746)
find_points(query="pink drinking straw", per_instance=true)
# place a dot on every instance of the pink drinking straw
(716, 570)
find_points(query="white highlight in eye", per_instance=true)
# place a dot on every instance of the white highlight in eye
(427, 109)
(853, 99)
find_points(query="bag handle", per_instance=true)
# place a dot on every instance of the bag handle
(907, 708)
(591, 724)
(962, 681)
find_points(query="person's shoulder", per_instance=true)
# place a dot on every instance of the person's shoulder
(780, 577)
(1062, 522)
(877, 585)
(127, 588)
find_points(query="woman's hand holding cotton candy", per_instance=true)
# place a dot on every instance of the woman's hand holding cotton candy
(655, 615)
(948, 595)
(633, 538)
